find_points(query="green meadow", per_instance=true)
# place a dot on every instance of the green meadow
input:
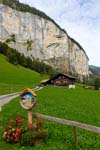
(78, 104)
(82, 105)
(15, 78)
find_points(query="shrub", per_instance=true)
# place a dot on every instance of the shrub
(12, 56)
(27, 139)
(35, 134)
(97, 83)
(29, 45)
(3, 48)
(11, 39)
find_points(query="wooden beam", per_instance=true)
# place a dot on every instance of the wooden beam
(68, 122)
(75, 138)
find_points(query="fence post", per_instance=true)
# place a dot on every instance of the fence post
(29, 116)
(75, 138)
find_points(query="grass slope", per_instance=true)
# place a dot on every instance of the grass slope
(14, 78)
(73, 104)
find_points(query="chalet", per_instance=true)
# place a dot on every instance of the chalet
(61, 79)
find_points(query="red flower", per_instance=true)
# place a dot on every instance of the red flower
(38, 122)
(30, 125)
(13, 130)
(19, 120)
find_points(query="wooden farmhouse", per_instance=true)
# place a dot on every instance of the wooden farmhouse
(61, 80)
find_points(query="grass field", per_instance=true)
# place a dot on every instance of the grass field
(15, 78)
(73, 104)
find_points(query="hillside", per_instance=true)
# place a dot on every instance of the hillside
(15, 78)
(36, 35)
(94, 69)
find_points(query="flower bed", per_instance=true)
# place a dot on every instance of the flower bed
(18, 130)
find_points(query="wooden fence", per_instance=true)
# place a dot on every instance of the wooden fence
(74, 124)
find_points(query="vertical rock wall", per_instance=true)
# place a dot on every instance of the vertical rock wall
(41, 38)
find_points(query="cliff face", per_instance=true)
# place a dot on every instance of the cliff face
(41, 38)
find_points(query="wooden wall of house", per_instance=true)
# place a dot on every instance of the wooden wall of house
(62, 81)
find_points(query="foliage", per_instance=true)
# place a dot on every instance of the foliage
(24, 7)
(29, 45)
(90, 81)
(11, 39)
(97, 83)
(27, 139)
(53, 73)
(3, 48)
(35, 134)
(12, 56)
(16, 58)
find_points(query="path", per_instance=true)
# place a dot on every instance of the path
(6, 98)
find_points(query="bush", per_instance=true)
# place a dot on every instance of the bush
(97, 83)
(29, 45)
(27, 139)
(11, 39)
(3, 48)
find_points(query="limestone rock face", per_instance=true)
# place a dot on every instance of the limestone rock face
(42, 39)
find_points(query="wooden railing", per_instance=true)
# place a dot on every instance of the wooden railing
(74, 124)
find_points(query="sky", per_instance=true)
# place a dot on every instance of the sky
(81, 20)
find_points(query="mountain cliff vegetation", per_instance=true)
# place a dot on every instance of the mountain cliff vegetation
(17, 58)
(15, 4)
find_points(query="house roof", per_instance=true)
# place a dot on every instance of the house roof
(45, 80)
(27, 90)
(69, 76)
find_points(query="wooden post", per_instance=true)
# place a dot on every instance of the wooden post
(75, 138)
(30, 116)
